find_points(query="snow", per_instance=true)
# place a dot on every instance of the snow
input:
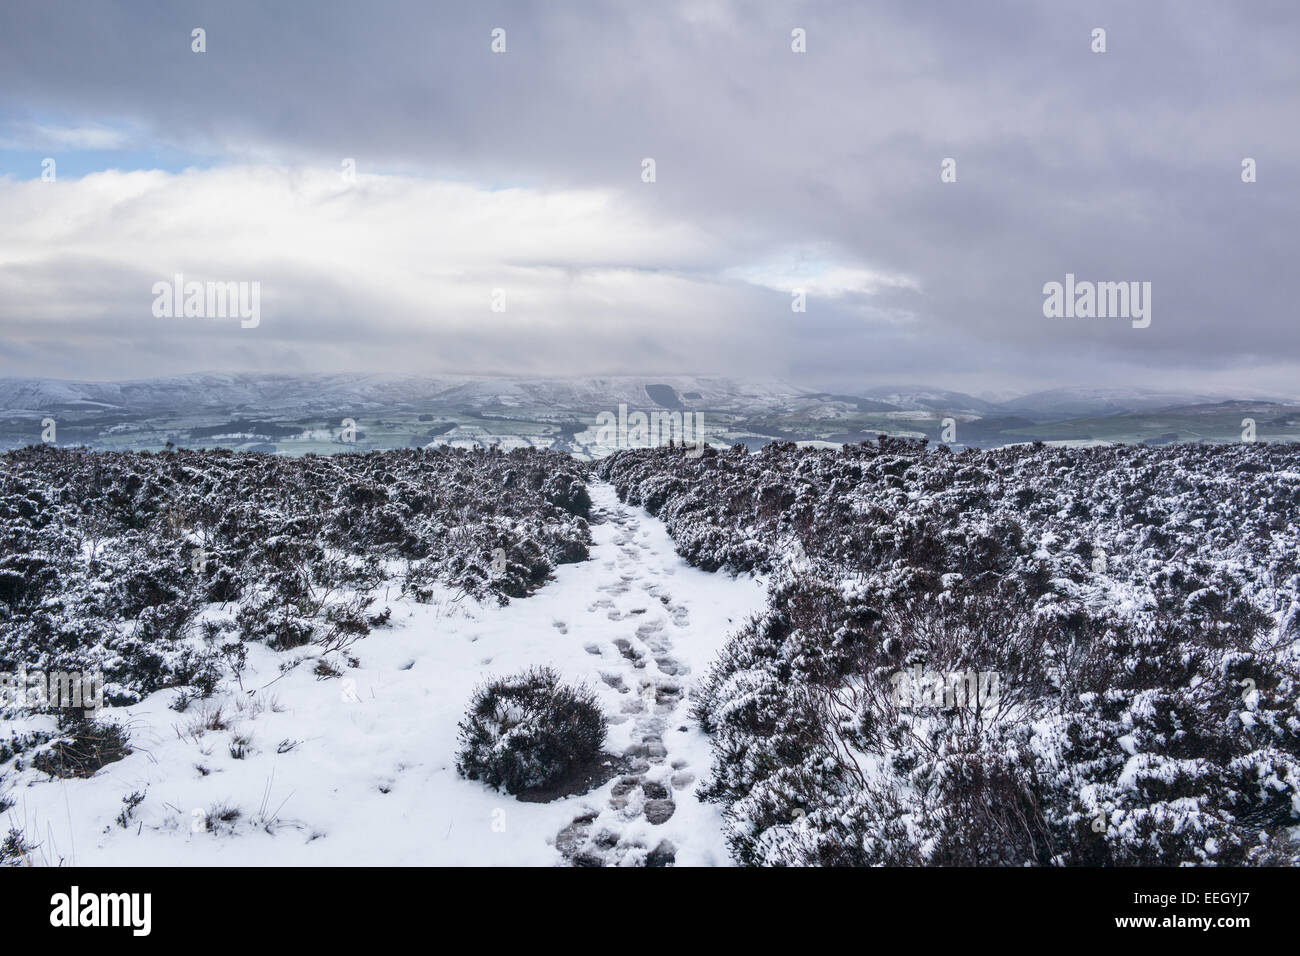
(390, 723)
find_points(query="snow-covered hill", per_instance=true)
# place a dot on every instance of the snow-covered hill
(265, 392)
(1062, 403)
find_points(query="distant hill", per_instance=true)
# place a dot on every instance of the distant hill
(255, 392)
(294, 414)
(932, 399)
(1058, 404)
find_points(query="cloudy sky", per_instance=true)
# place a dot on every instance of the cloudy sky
(774, 170)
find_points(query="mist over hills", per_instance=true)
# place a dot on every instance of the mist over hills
(282, 392)
(290, 413)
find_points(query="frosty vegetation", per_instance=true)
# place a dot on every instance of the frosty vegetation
(1139, 606)
(1128, 617)
(159, 569)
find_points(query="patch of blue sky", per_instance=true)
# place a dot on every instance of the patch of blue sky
(74, 164)
(79, 147)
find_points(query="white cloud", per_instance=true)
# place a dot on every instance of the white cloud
(88, 137)
(818, 273)
(401, 268)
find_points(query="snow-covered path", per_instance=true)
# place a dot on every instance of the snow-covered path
(361, 769)
(660, 745)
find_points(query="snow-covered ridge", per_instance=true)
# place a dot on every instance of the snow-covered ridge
(286, 392)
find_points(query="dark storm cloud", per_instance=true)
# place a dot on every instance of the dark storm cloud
(1116, 166)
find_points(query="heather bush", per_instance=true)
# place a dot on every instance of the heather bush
(529, 731)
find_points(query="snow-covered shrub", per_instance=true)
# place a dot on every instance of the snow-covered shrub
(528, 731)
(83, 746)
(279, 624)
(14, 848)
(568, 492)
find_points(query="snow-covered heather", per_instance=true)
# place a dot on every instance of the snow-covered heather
(360, 769)
(1139, 607)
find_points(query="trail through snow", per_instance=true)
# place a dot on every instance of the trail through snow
(361, 769)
